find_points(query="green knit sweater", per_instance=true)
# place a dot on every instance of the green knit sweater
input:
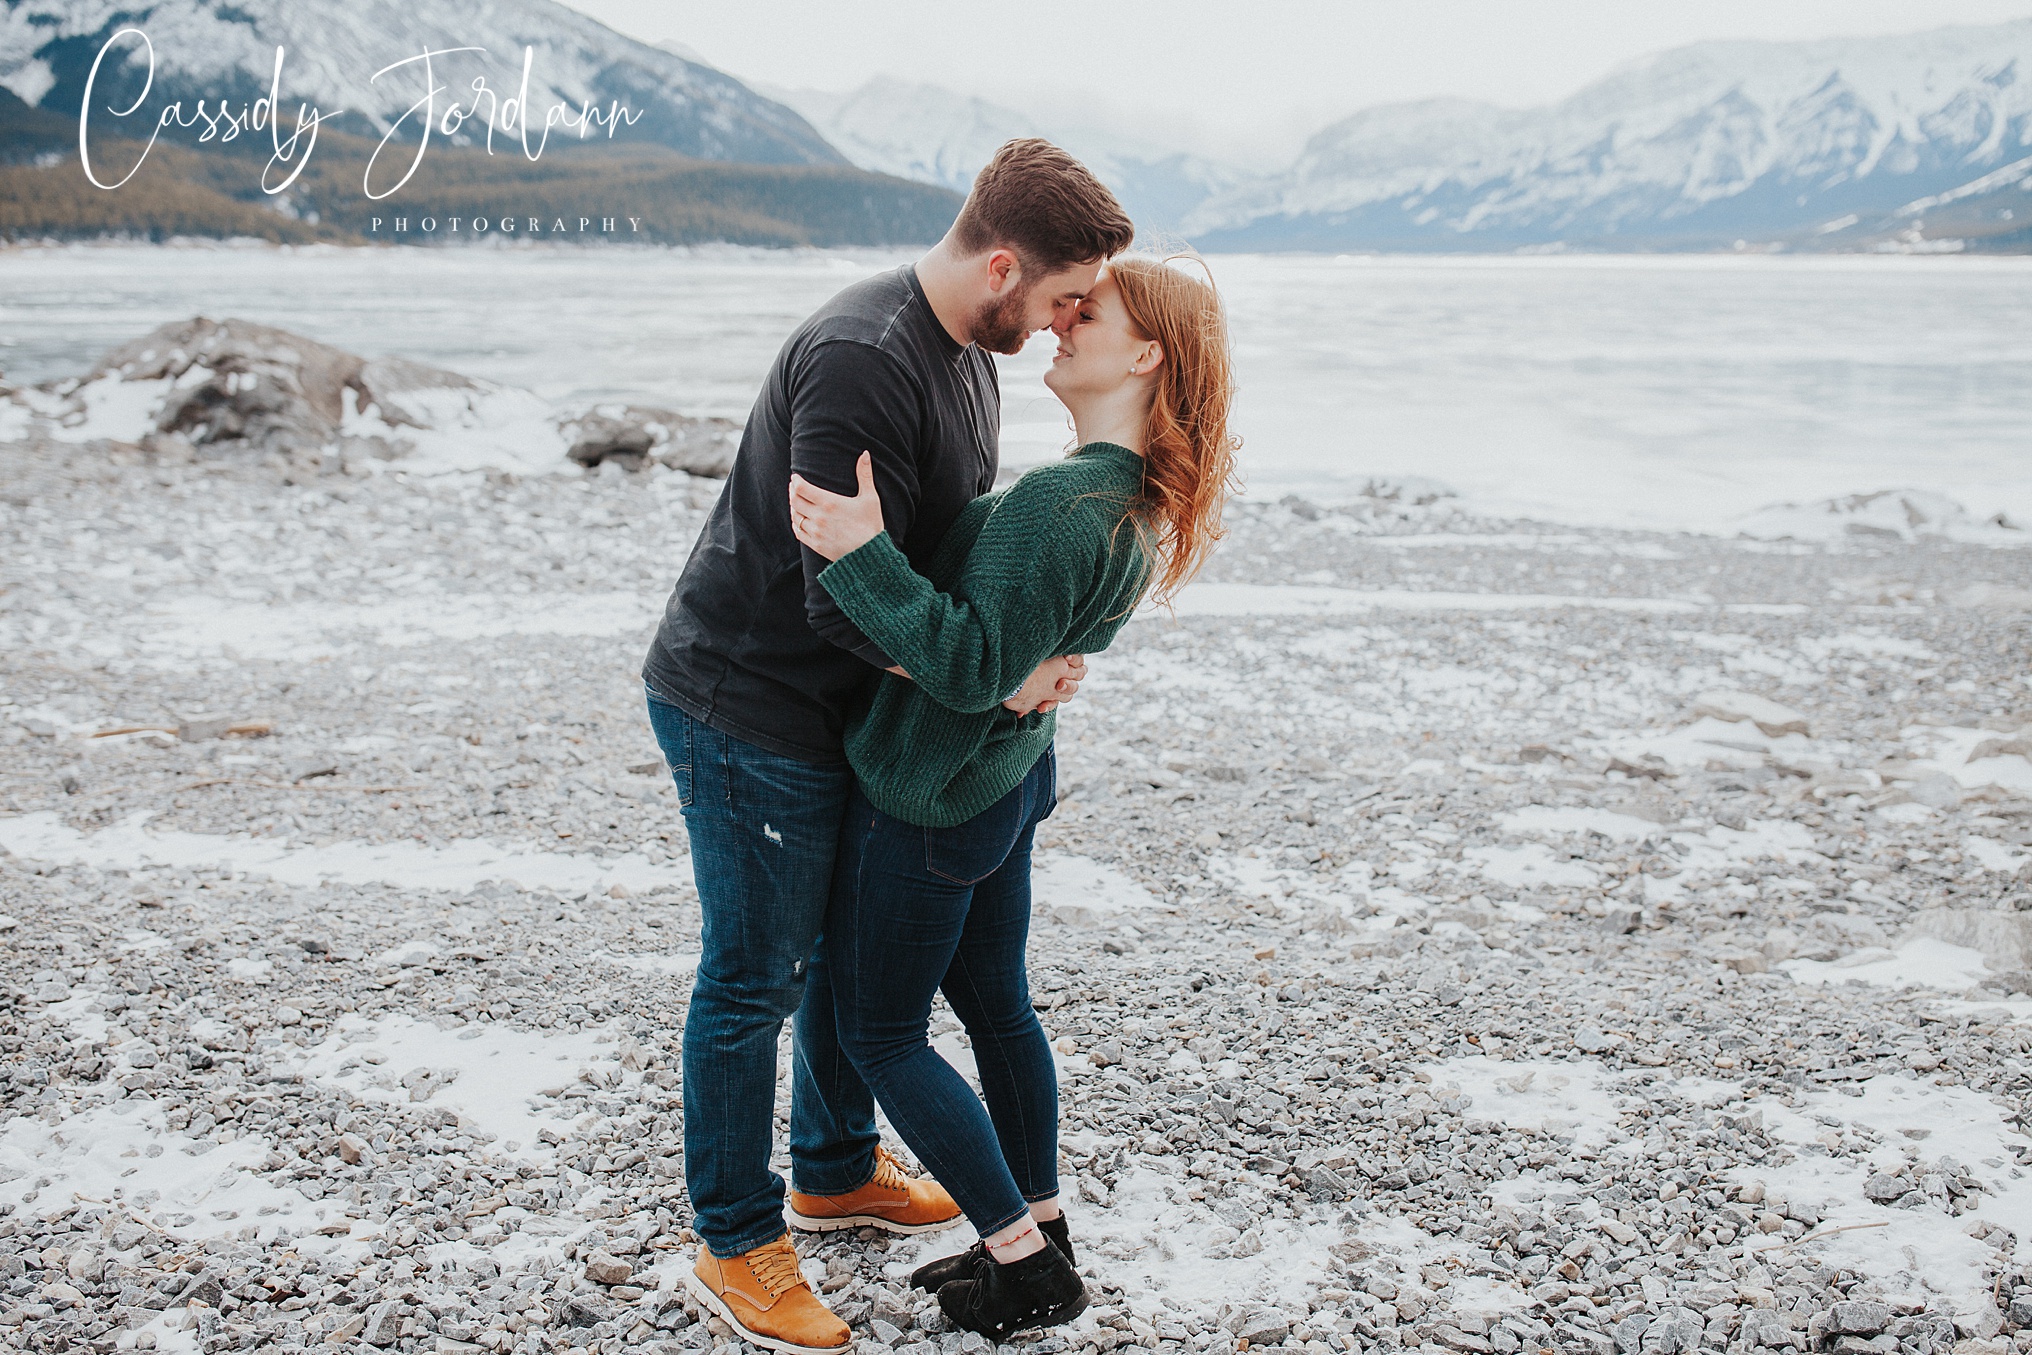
(1048, 566)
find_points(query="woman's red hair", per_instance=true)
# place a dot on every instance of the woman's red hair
(1188, 453)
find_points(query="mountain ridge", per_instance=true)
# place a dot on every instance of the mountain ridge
(1698, 147)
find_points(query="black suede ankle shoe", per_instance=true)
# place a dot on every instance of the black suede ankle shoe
(997, 1300)
(934, 1275)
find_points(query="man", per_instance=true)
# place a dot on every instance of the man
(753, 674)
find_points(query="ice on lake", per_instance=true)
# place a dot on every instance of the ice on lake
(1664, 392)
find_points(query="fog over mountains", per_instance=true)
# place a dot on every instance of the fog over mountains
(1814, 143)
(936, 135)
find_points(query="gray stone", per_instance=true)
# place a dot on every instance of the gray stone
(1673, 1331)
(581, 1310)
(1622, 920)
(602, 1268)
(1771, 719)
(1766, 1327)
(1591, 1040)
(898, 1312)
(1937, 792)
(1453, 1338)
(1262, 1327)
(203, 1287)
(633, 435)
(1858, 1318)
(384, 1324)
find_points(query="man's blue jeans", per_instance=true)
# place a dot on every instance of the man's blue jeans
(918, 911)
(764, 832)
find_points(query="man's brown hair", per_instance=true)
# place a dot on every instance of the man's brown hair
(1048, 207)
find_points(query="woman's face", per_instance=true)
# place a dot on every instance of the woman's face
(1095, 355)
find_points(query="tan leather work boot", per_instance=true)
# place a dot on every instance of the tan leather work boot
(890, 1200)
(762, 1295)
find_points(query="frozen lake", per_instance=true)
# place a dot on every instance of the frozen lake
(1639, 391)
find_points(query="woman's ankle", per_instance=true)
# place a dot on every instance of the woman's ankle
(1046, 1210)
(1020, 1239)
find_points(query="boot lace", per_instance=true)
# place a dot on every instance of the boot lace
(776, 1267)
(888, 1175)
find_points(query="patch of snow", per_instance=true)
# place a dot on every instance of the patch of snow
(1556, 1098)
(81, 1015)
(676, 962)
(214, 1034)
(1866, 644)
(1922, 962)
(1909, 812)
(1896, 514)
(484, 427)
(1077, 889)
(1993, 855)
(299, 632)
(16, 420)
(29, 80)
(1758, 840)
(1530, 866)
(457, 865)
(123, 411)
(191, 1188)
(1999, 1010)
(1560, 820)
(1250, 599)
(1919, 1123)
(492, 1077)
(1947, 748)
(1693, 746)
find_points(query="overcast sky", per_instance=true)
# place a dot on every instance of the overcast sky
(1246, 78)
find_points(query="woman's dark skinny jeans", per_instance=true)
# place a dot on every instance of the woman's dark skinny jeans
(916, 911)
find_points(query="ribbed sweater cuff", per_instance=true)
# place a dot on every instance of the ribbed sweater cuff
(870, 583)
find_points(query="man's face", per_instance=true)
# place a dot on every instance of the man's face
(1025, 306)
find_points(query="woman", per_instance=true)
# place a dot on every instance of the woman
(932, 887)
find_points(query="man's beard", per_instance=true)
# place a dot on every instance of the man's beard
(1001, 326)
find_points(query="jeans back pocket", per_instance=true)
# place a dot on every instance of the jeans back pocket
(972, 851)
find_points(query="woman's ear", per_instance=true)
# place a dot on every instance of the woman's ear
(1149, 360)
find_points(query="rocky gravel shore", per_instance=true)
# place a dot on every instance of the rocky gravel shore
(1456, 935)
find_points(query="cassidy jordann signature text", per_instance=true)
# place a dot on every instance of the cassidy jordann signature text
(222, 123)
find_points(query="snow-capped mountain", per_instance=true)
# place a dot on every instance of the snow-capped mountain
(935, 135)
(226, 48)
(918, 132)
(1702, 146)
